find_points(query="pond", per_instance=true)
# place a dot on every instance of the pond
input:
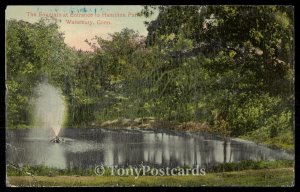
(85, 148)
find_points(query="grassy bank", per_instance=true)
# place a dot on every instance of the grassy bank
(224, 167)
(263, 177)
(244, 173)
(284, 141)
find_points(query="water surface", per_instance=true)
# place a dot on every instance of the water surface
(122, 147)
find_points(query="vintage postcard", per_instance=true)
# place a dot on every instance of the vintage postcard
(132, 95)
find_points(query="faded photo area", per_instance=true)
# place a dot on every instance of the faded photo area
(165, 96)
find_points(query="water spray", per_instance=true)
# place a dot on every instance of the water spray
(49, 110)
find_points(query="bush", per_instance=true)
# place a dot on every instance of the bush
(252, 114)
(250, 164)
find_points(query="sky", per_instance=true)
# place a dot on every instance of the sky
(84, 22)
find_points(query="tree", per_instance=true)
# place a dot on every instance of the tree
(33, 51)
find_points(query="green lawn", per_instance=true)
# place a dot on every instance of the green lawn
(262, 177)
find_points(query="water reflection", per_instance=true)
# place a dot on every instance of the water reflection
(36, 152)
(90, 147)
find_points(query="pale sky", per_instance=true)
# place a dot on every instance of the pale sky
(99, 24)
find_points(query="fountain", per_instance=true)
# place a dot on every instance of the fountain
(49, 110)
(56, 139)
